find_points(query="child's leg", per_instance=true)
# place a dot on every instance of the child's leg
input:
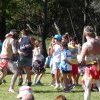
(25, 79)
(69, 76)
(39, 77)
(57, 76)
(65, 80)
(35, 79)
(98, 84)
(3, 73)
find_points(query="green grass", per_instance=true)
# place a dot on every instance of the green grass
(45, 92)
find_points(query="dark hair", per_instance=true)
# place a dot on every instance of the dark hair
(61, 97)
(25, 32)
(64, 44)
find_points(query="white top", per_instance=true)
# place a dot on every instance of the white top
(37, 54)
(57, 53)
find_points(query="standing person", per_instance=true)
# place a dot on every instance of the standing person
(90, 56)
(66, 66)
(38, 64)
(51, 61)
(74, 50)
(9, 50)
(56, 57)
(25, 57)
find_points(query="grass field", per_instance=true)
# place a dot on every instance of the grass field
(45, 92)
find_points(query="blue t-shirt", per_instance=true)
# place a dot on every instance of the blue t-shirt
(65, 54)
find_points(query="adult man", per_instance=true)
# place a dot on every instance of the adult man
(9, 50)
(90, 56)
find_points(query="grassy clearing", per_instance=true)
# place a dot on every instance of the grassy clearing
(45, 92)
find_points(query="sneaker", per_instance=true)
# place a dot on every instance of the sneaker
(62, 85)
(39, 83)
(29, 83)
(11, 90)
(4, 81)
(57, 86)
(71, 86)
(25, 82)
(20, 82)
(67, 90)
(33, 84)
(52, 83)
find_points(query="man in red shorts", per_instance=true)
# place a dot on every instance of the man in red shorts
(9, 51)
(90, 57)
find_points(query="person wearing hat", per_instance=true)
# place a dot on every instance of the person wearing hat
(25, 93)
(90, 57)
(9, 50)
(56, 57)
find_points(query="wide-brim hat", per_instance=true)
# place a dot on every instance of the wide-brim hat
(24, 90)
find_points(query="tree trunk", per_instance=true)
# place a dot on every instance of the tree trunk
(3, 21)
(45, 30)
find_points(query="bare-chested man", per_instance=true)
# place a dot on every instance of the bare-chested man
(9, 50)
(90, 56)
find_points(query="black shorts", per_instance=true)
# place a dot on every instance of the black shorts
(66, 72)
(38, 67)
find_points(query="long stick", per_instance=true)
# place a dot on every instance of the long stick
(58, 31)
(71, 21)
(30, 28)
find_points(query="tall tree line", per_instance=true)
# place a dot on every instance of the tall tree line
(46, 17)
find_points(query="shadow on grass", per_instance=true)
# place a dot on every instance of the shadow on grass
(77, 91)
(57, 91)
(47, 91)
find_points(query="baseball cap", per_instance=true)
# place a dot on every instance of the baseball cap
(24, 90)
(58, 37)
(13, 31)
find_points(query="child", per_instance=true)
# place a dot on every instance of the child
(38, 66)
(66, 66)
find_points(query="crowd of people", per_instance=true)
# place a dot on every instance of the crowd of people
(66, 58)
(62, 59)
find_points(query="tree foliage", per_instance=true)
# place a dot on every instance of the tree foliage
(46, 17)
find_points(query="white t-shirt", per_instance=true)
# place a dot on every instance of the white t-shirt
(57, 53)
(37, 54)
